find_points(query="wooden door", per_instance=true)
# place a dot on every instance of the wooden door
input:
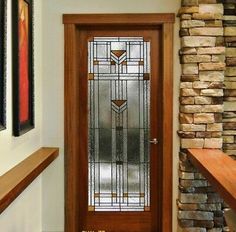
(118, 114)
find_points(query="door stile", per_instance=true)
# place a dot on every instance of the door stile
(71, 116)
(167, 136)
(156, 132)
(82, 135)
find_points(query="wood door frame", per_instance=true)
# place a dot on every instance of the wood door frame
(72, 23)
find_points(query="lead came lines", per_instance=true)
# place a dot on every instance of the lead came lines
(124, 184)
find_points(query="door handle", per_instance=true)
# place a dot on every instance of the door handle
(153, 141)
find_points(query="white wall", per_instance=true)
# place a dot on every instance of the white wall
(53, 78)
(24, 215)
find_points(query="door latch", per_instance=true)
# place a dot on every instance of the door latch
(153, 141)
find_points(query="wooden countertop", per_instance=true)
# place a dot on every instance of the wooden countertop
(219, 169)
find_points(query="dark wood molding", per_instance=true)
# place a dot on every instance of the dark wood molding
(219, 169)
(13, 182)
(118, 19)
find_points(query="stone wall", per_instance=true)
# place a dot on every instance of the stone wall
(229, 116)
(202, 57)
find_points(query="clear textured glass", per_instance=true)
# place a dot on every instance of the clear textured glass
(133, 139)
(104, 106)
(105, 145)
(119, 124)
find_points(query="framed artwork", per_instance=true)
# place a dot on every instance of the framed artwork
(2, 64)
(23, 73)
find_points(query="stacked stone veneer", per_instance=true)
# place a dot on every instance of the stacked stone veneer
(229, 116)
(202, 56)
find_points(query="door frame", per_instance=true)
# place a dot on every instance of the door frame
(72, 24)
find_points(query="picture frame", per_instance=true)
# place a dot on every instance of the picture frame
(3, 4)
(23, 66)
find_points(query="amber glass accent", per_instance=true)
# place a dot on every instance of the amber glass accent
(91, 76)
(91, 208)
(146, 76)
(119, 103)
(118, 53)
(96, 194)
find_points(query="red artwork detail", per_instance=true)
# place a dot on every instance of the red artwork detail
(23, 62)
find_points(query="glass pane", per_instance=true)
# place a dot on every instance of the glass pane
(119, 124)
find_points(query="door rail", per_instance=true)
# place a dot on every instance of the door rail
(219, 169)
(13, 182)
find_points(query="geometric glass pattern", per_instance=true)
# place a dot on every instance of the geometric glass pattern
(119, 124)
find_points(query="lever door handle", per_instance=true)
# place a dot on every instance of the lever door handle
(153, 141)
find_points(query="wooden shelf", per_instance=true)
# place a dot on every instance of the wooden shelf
(219, 169)
(13, 182)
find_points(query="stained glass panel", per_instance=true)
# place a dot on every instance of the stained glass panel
(119, 124)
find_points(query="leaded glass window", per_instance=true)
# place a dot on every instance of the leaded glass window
(119, 124)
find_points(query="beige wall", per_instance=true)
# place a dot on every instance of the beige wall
(53, 74)
(25, 213)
